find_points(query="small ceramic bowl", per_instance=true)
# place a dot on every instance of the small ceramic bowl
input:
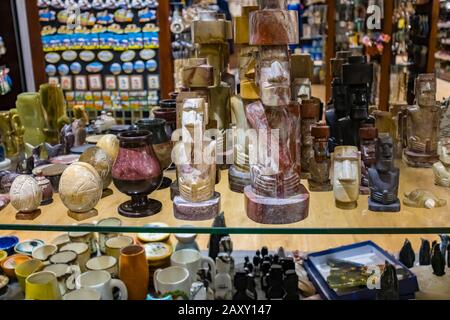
(154, 237)
(27, 247)
(105, 263)
(44, 252)
(61, 240)
(9, 264)
(8, 243)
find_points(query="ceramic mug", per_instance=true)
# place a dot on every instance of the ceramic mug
(26, 269)
(82, 251)
(105, 263)
(193, 261)
(44, 252)
(114, 245)
(102, 282)
(65, 274)
(172, 279)
(42, 286)
(83, 295)
(104, 236)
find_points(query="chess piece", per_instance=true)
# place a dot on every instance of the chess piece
(389, 285)
(257, 262)
(226, 245)
(421, 198)
(223, 284)
(423, 122)
(384, 178)
(437, 261)
(241, 285)
(80, 189)
(425, 253)
(276, 290)
(444, 243)
(26, 196)
(291, 285)
(265, 268)
(407, 255)
(346, 176)
(215, 239)
(368, 146)
(320, 164)
(448, 256)
(441, 169)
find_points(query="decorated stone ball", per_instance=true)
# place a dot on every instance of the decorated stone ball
(25, 194)
(80, 187)
(110, 144)
(100, 160)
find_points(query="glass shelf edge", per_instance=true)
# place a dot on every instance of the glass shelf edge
(228, 230)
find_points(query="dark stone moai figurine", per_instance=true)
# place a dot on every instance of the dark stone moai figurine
(437, 261)
(368, 145)
(425, 253)
(320, 164)
(276, 289)
(407, 255)
(389, 286)
(384, 178)
(291, 285)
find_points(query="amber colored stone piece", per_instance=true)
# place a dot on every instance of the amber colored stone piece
(273, 27)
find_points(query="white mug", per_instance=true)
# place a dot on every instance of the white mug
(83, 295)
(193, 261)
(102, 282)
(172, 279)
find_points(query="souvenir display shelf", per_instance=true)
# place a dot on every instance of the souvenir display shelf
(133, 86)
(128, 117)
(324, 217)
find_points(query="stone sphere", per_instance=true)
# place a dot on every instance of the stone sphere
(25, 194)
(80, 187)
(101, 162)
(110, 144)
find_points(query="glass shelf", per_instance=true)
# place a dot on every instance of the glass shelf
(324, 217)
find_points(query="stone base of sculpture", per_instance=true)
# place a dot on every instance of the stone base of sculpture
(419, 160)
(196, 211)
(82, 216)
(238, 179)
(379, 207)
(28, 216)
(267, 210)
(319, 187)
(346, 205)
(150, 208)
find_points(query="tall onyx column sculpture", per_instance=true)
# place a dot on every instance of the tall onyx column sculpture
(320, 164)
(239, 172)
(276, 195)
(422, 124)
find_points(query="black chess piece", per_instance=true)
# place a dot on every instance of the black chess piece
(257, 262)
(407, 255)
(389, 287)
(264, 252)
(281, 253)
(241, 284)
(448, 256)
(251, 286)
(444, 243)
(265, 268)
(276, 259)
(291, 285)
(214, 240)
(249, 269)
(246, 262)
(425, 253)
(276, 290)
(287, 264)
(438, 261)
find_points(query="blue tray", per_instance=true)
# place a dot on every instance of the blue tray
(316, 267)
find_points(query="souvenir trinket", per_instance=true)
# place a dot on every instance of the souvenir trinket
(26, 197)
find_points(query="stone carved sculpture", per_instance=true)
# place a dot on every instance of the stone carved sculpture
(301, 74)
(74, 134)
(32, 116)
(276, 195)
(310, 112)
(389, 285)
(346, 176)
(422, 124)
(80, 189)
(12, 131)
(437, 261)
(351, 98)
(26, 196)
(239, 173)
(320, 163)
(368, 146)
(441, 169)
(420, 198)
(194, 157)
(384, 178)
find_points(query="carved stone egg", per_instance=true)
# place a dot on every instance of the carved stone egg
(25, 194)
(80, 187)
(100, 160)
(110, 144)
